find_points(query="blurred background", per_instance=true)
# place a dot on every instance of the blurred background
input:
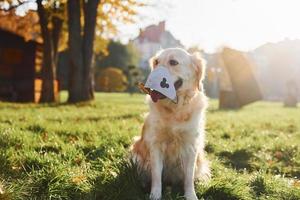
(251, 47)
(82, 60)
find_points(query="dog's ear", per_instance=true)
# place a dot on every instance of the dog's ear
(153, 62)
(199, 65)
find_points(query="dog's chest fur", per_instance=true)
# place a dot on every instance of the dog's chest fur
(175, 143)
(175, 133)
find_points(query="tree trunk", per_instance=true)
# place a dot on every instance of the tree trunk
(90, 16)
(75, 54)
(57, 28)
(81, 87)
(48, 72)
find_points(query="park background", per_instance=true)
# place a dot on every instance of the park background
(70, 105)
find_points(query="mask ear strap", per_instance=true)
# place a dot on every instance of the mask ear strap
(175, 101)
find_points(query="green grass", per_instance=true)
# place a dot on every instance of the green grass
(81, 151)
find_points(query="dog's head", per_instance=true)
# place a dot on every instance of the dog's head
(187, 70)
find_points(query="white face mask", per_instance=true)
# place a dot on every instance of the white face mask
(160, 80)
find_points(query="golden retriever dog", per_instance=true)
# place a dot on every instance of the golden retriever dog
(171, 147)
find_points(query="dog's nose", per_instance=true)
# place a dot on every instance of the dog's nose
(178, 83)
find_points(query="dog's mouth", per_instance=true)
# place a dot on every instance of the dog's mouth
(155, 95)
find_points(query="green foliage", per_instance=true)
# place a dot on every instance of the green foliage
(126, 58)
(135, 75)
(119, 55)
(80, 151)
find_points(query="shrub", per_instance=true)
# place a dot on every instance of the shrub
(111, 79)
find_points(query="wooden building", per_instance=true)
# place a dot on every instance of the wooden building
(20, 69)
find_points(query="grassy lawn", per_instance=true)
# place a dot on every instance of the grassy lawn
(80, 151)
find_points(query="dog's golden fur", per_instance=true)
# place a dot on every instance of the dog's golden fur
(171, 146)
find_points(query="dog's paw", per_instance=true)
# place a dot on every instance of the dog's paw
(155, 194)
(190, 196)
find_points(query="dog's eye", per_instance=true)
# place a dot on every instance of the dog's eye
(173, 62)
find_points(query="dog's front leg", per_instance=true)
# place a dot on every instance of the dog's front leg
(189, 170)
(156, 162)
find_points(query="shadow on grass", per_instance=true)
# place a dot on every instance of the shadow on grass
(93, 152)
(36, 128)
(48, 149)
(239, 159)
(6, 121)
(99, 118)
(128, 185)
(222, 192)
(258, 185)
(125, 185)
(210, 148)
(118, 117)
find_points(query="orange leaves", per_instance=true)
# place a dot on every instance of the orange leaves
(79, 179)
(278, 155)
(296, 183)
(45, 137)
(112, 12)
(72, 138)
(26, 26)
